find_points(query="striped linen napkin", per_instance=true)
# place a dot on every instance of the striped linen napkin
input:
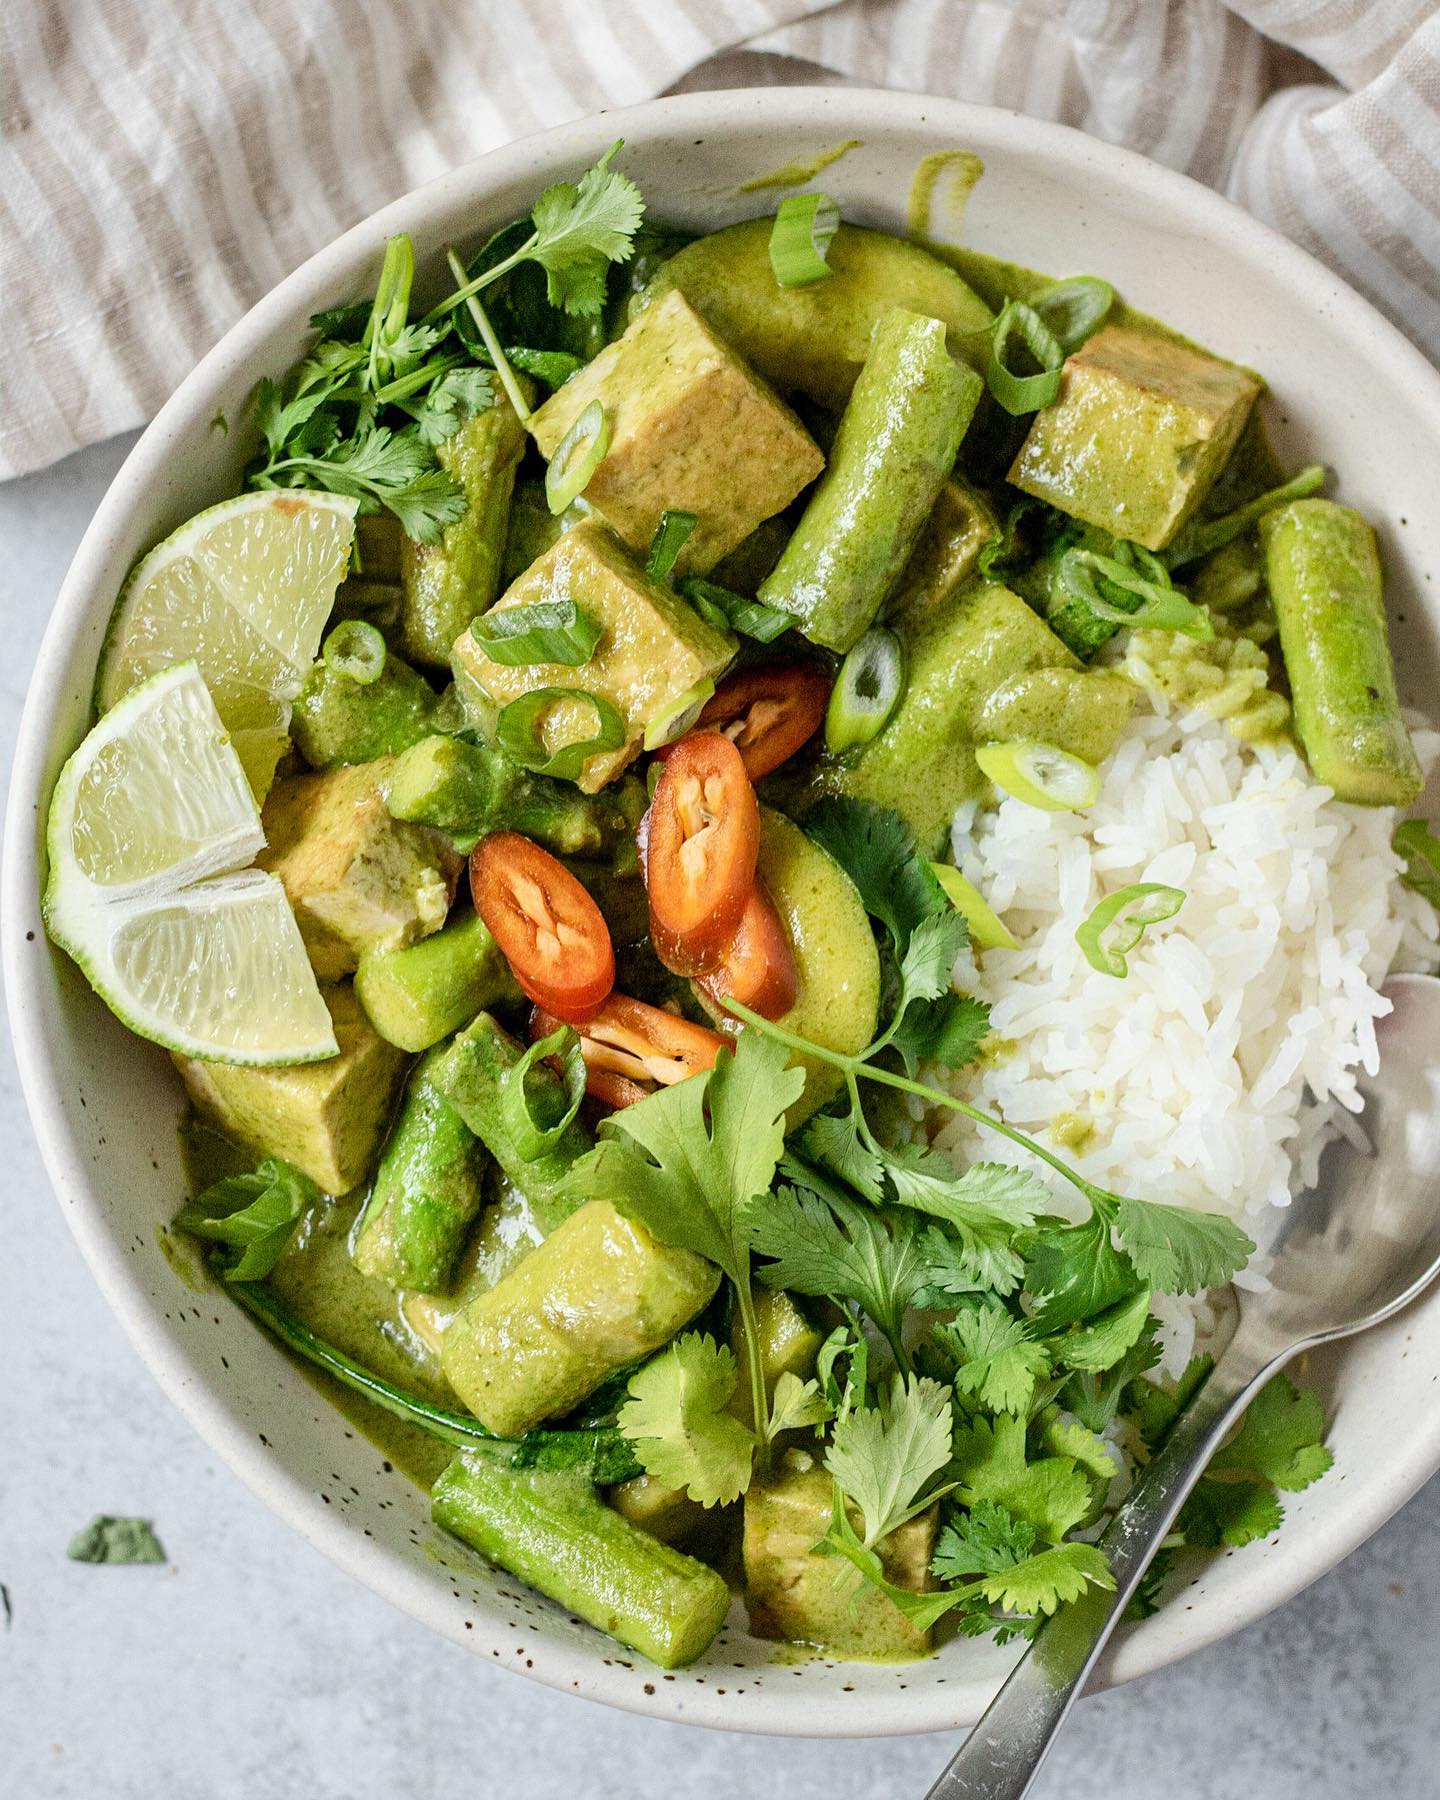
(163, 163)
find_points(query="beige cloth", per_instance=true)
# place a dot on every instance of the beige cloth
(165, 162)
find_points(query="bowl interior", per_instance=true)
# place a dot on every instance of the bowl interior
(1345, 389)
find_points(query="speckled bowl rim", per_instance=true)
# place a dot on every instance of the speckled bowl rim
(1176, 1631)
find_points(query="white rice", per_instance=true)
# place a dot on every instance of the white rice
(1212, 1075)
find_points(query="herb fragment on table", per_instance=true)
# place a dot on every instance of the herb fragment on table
(108, 1539)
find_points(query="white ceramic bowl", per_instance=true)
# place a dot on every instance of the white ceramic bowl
(1347, 390)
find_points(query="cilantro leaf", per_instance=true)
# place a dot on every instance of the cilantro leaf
(995, 1357)
(989, 1463)
(948, 1031)
(1154, 1409)
(874, 847)
(1101, 1343)
(110, 1540)
(1281, 1437)
(951, 1272)
(884, 1457)
(928, 961)
(1177, 1251)
(835, 1143)
(692, 1184)
(1074, 1272)
(984, 1205)
(677, 1421)
(1051, 1579)
(580, 230)
(982, 1542)
(1095, 1399)
(1229, 1512)
(829, 1247)
(796, 1404)
(1063, 1435)
(854, 1347)
(254, 1214)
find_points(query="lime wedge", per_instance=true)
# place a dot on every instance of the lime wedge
(243, 590)
(151, 825)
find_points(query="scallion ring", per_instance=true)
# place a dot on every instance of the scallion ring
(726, 610)
(677, 716)
(1159, 606)
(548, 631)
(866, 691)
(1018, 392)
(577, 456)
(669, 540)
(800, 239)
(1120, 921)
(1040, 774)
(355, 648)
(988, 931)
(519, 726)
(530, 1138)
(1075, 309)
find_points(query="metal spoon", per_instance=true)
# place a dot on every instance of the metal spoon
(1361, 1244)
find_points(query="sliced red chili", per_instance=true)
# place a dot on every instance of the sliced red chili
(640, 1043)
(767, 712)
(759, 967)
(701, 847)
(549, 929)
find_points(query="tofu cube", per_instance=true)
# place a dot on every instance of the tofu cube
(692, 429)
(653, 647)
(327, 1118)
(1143, 425)
(945, 553)
(357, 878)
(792, 1594)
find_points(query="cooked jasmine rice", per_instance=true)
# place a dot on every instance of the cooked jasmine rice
(1212, 1074)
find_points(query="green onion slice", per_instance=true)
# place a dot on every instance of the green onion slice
(1018, 391)
(729, 611)
(866, 691)
(355, 648)
(669, 540)
(1075, 309)
(1040, 774)
(1213, 534)
(1133, 573)
(519, 725)
(987, 929)
(800, 239)
(1419, 848)
(677, 716)
(577, 456)
(549, 631)
(518, 1087)
(1120, 921)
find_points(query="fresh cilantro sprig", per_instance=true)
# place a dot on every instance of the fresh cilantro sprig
(366, 411)
(689, 1162)
(577, 231)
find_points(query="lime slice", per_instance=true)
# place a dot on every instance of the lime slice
(1040, 775)
(150, 821)
(243, 590)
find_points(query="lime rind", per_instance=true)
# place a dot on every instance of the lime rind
(188, 948)
(244, 589)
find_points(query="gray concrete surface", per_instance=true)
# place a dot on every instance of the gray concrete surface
(249, 1667)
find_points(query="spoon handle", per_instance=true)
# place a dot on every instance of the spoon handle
(1002, 1755)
